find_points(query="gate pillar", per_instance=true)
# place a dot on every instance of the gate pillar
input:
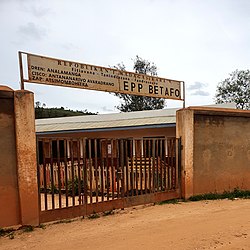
(26, 157)
(18, 179)
(185, 131)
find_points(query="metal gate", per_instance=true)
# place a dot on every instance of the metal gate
(80, 176)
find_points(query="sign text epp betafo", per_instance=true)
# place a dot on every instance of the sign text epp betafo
(45, 70)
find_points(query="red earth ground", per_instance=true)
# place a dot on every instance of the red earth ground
(220, 224)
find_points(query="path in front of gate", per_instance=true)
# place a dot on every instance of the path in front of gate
(221, 224)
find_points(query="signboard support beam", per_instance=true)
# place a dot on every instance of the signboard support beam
(21, 70)
(184, 97)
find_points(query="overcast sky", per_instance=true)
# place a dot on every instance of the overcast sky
(197, 41)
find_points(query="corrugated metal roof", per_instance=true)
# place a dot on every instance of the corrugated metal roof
(147, 118)
(120, 120)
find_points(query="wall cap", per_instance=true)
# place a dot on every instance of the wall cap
(217, 111)
(5, 88)
(6, 92)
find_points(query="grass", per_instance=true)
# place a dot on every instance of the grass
(10, 232)
(1, 232)
(7, 232)
(236, 193)
(93, 216)
(110, 212)
(11, 235)
(174, 201)
(28, 229)
(231, 195)
(63, 221)
(42, 226)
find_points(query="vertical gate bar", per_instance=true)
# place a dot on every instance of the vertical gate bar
(153, 167)
(45, 177)
(157, 164)
(174, 162)
(102, 172)
(132, 167)
(168, 162)
(112, 169)
(141, 150)
(66, 171)
(179, 163)
(117, 168)
(171, 162)
(127, 165)
(165, 164)
(85, 178)
(136, 167)
(161, 182)
(145, 165)
(173, 168)
(150, 166)
(79, 172)
(96, 172)
(72, 172)
(59, 173)
(38, 174)
(90, 172)
(52, 175)
(107, 168)
(122, 167)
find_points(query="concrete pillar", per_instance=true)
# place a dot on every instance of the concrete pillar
(185, 130)
(26, 157)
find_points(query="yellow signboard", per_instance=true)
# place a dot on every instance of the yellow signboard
(45, 70)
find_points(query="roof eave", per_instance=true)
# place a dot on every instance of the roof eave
(166, 125)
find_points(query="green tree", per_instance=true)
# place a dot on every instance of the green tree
(235, 89)
(139, 103)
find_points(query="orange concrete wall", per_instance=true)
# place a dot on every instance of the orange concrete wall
(221, 153)
(18, 171)
(216, 150)
(9, 197)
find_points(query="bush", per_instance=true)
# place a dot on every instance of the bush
(73, 187)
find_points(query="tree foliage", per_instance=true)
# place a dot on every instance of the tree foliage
(235, 89)
(139, 103)
(42, 112)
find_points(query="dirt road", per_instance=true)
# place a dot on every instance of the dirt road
(222, 224)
